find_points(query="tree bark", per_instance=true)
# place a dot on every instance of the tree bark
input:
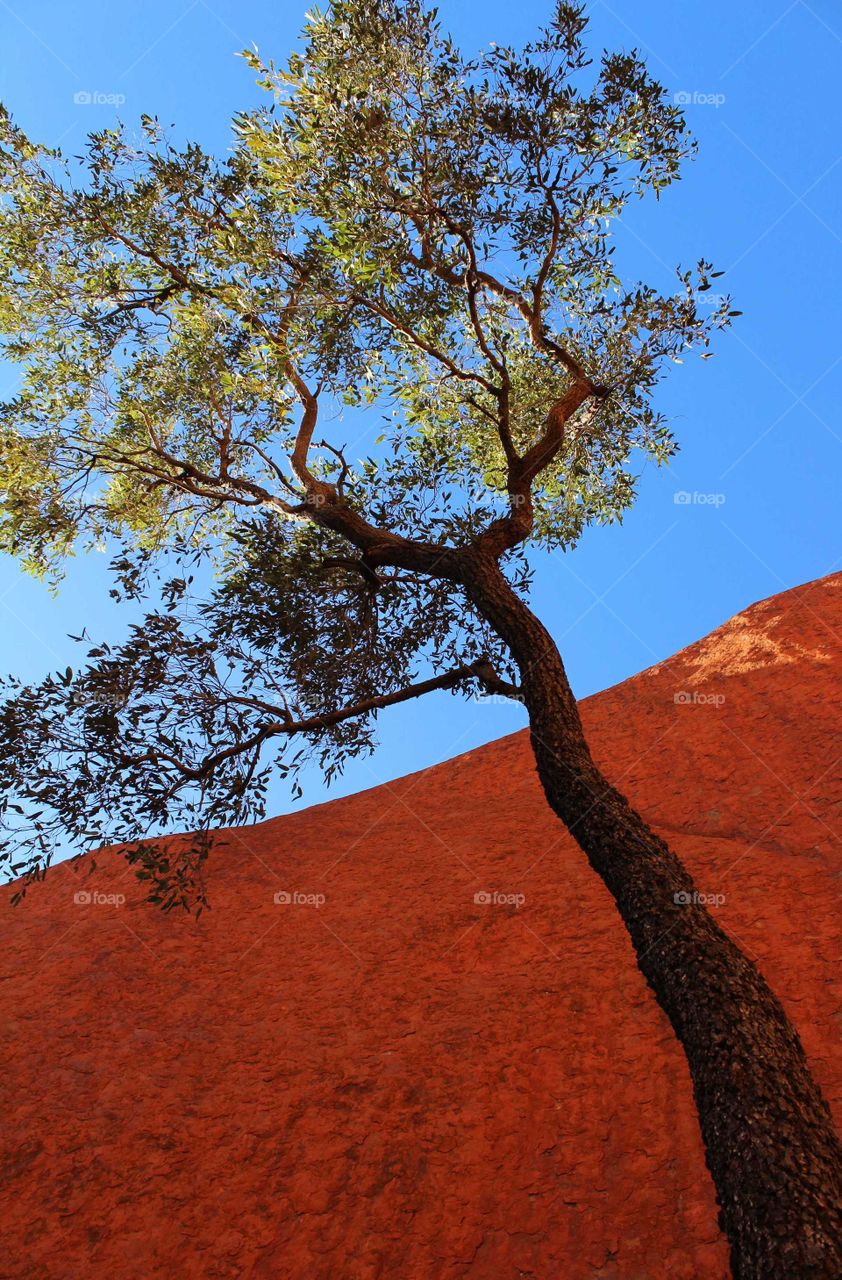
(769, 1139)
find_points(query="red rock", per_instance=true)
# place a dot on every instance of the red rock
(403, 1083)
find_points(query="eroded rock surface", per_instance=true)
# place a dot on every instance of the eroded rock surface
(403, 1082)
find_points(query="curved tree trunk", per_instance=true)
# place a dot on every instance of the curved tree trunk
(769, 1138)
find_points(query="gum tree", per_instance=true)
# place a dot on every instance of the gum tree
(426, 236)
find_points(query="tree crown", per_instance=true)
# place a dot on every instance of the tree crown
(399, 229)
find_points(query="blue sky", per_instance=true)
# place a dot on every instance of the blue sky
(760, 433)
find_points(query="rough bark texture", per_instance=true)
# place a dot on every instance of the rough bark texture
(769, 1139)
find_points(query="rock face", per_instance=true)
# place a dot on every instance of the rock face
(388, 1076)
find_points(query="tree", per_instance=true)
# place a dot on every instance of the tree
(428, 236)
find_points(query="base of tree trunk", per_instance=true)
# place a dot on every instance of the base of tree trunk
(769, 1139)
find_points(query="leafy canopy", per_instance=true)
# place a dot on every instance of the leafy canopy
(399, 229)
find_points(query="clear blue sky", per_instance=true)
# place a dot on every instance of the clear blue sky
(759, 425)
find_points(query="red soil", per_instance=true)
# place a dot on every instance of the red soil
(402, 1082)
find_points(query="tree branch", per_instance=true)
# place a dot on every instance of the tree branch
(481, 670)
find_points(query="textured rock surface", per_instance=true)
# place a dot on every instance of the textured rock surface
(403, 1082)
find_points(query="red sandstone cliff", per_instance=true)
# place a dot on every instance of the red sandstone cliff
(403, 1082)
